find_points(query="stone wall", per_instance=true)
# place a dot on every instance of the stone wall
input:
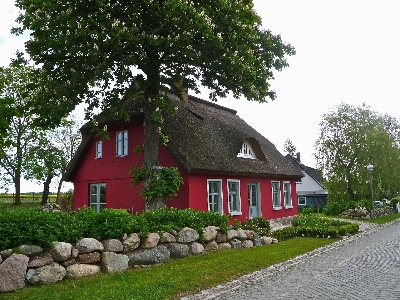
(363, 214)
(32, 265)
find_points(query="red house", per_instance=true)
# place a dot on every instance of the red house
(227, 166)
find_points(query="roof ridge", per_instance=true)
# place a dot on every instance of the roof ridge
(212, 104)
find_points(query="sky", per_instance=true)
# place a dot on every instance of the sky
(346, 52)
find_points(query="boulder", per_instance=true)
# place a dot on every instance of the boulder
(87, 245)
(151, 241)
(249, 234)
(45, 275)
(231, 234)
(256, 240)
(221, 237)
(235, 243)
(6, 253)
(167, 238)
(247, 244)
(155, 255)
(241, 235)
(177, 250)
(210, 233)
(266, 240)
(30, 250)
(131, 242)
(89, 258)
(196, 248)
(40, 261)
(82, 270)
(224, 246)
(113, 245)
(69, 262)
(61, 251)
(187, 235)
(112, 262)
(12, 273)
(211, 246)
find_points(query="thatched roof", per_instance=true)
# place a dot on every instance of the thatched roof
(205, 138)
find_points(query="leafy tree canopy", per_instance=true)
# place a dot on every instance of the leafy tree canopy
(87, 50)
(352, 138)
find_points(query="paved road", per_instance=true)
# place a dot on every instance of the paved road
(366, 266)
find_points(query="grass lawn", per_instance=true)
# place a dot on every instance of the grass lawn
(176, 277)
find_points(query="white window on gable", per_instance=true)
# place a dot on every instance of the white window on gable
(234, 197)
(246, 151)
(99, 149)
(122, 143)
(287, 195)
(276, 195)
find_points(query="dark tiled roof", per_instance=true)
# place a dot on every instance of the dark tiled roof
(313, 173)
(205, 138)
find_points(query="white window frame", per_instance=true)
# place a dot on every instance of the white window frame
(246, 151)
(276, 195)
(99, 149)
(287, 194)
(122, 143)
(300, 199)
(212, 194)
(234, 198)
(95, 199)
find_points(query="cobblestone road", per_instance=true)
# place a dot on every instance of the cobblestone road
(365, 266)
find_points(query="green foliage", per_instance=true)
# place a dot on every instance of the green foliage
(334, 208)
(157, 184)
(259, 225)
(350, 139)
(166, 219)
(41, 228)
(312, 226)
(394, 201)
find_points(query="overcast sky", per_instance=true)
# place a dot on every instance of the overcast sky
(347, 51)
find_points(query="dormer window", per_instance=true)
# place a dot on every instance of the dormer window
(246, 151)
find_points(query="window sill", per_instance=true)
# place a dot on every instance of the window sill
(277, 208)
(235, 213)
(288, 207)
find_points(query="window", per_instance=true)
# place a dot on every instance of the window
(246, 151)
(99, 149)
(302, 201)
(97, 196)
(214, 195)
(276, 195)
(122, 143)
(287, 196)
(234, 197)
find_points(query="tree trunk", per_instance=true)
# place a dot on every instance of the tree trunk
(151, 137)
(46, 189)
(59, 189)
(17, 186)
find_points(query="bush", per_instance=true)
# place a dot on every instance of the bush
(334, 208)
(259, 225)
(312, 226)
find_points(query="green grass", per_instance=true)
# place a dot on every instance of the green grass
(174, 278)
(384, 219)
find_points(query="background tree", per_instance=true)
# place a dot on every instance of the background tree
(50, 157)
(19, 134)
(89, 51)
(290, 148)
(350, 139)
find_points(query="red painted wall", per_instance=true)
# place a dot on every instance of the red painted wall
(120, 193)
(198, 197)
(114, 172)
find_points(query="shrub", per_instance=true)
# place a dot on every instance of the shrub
(259, 225)
(313, 226)
(334, 208)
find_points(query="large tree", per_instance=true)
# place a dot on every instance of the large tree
(19, 134)
(352, 138)
(91, 51)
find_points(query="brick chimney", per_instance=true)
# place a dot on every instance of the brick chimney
(298, 157)
(185, 94)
